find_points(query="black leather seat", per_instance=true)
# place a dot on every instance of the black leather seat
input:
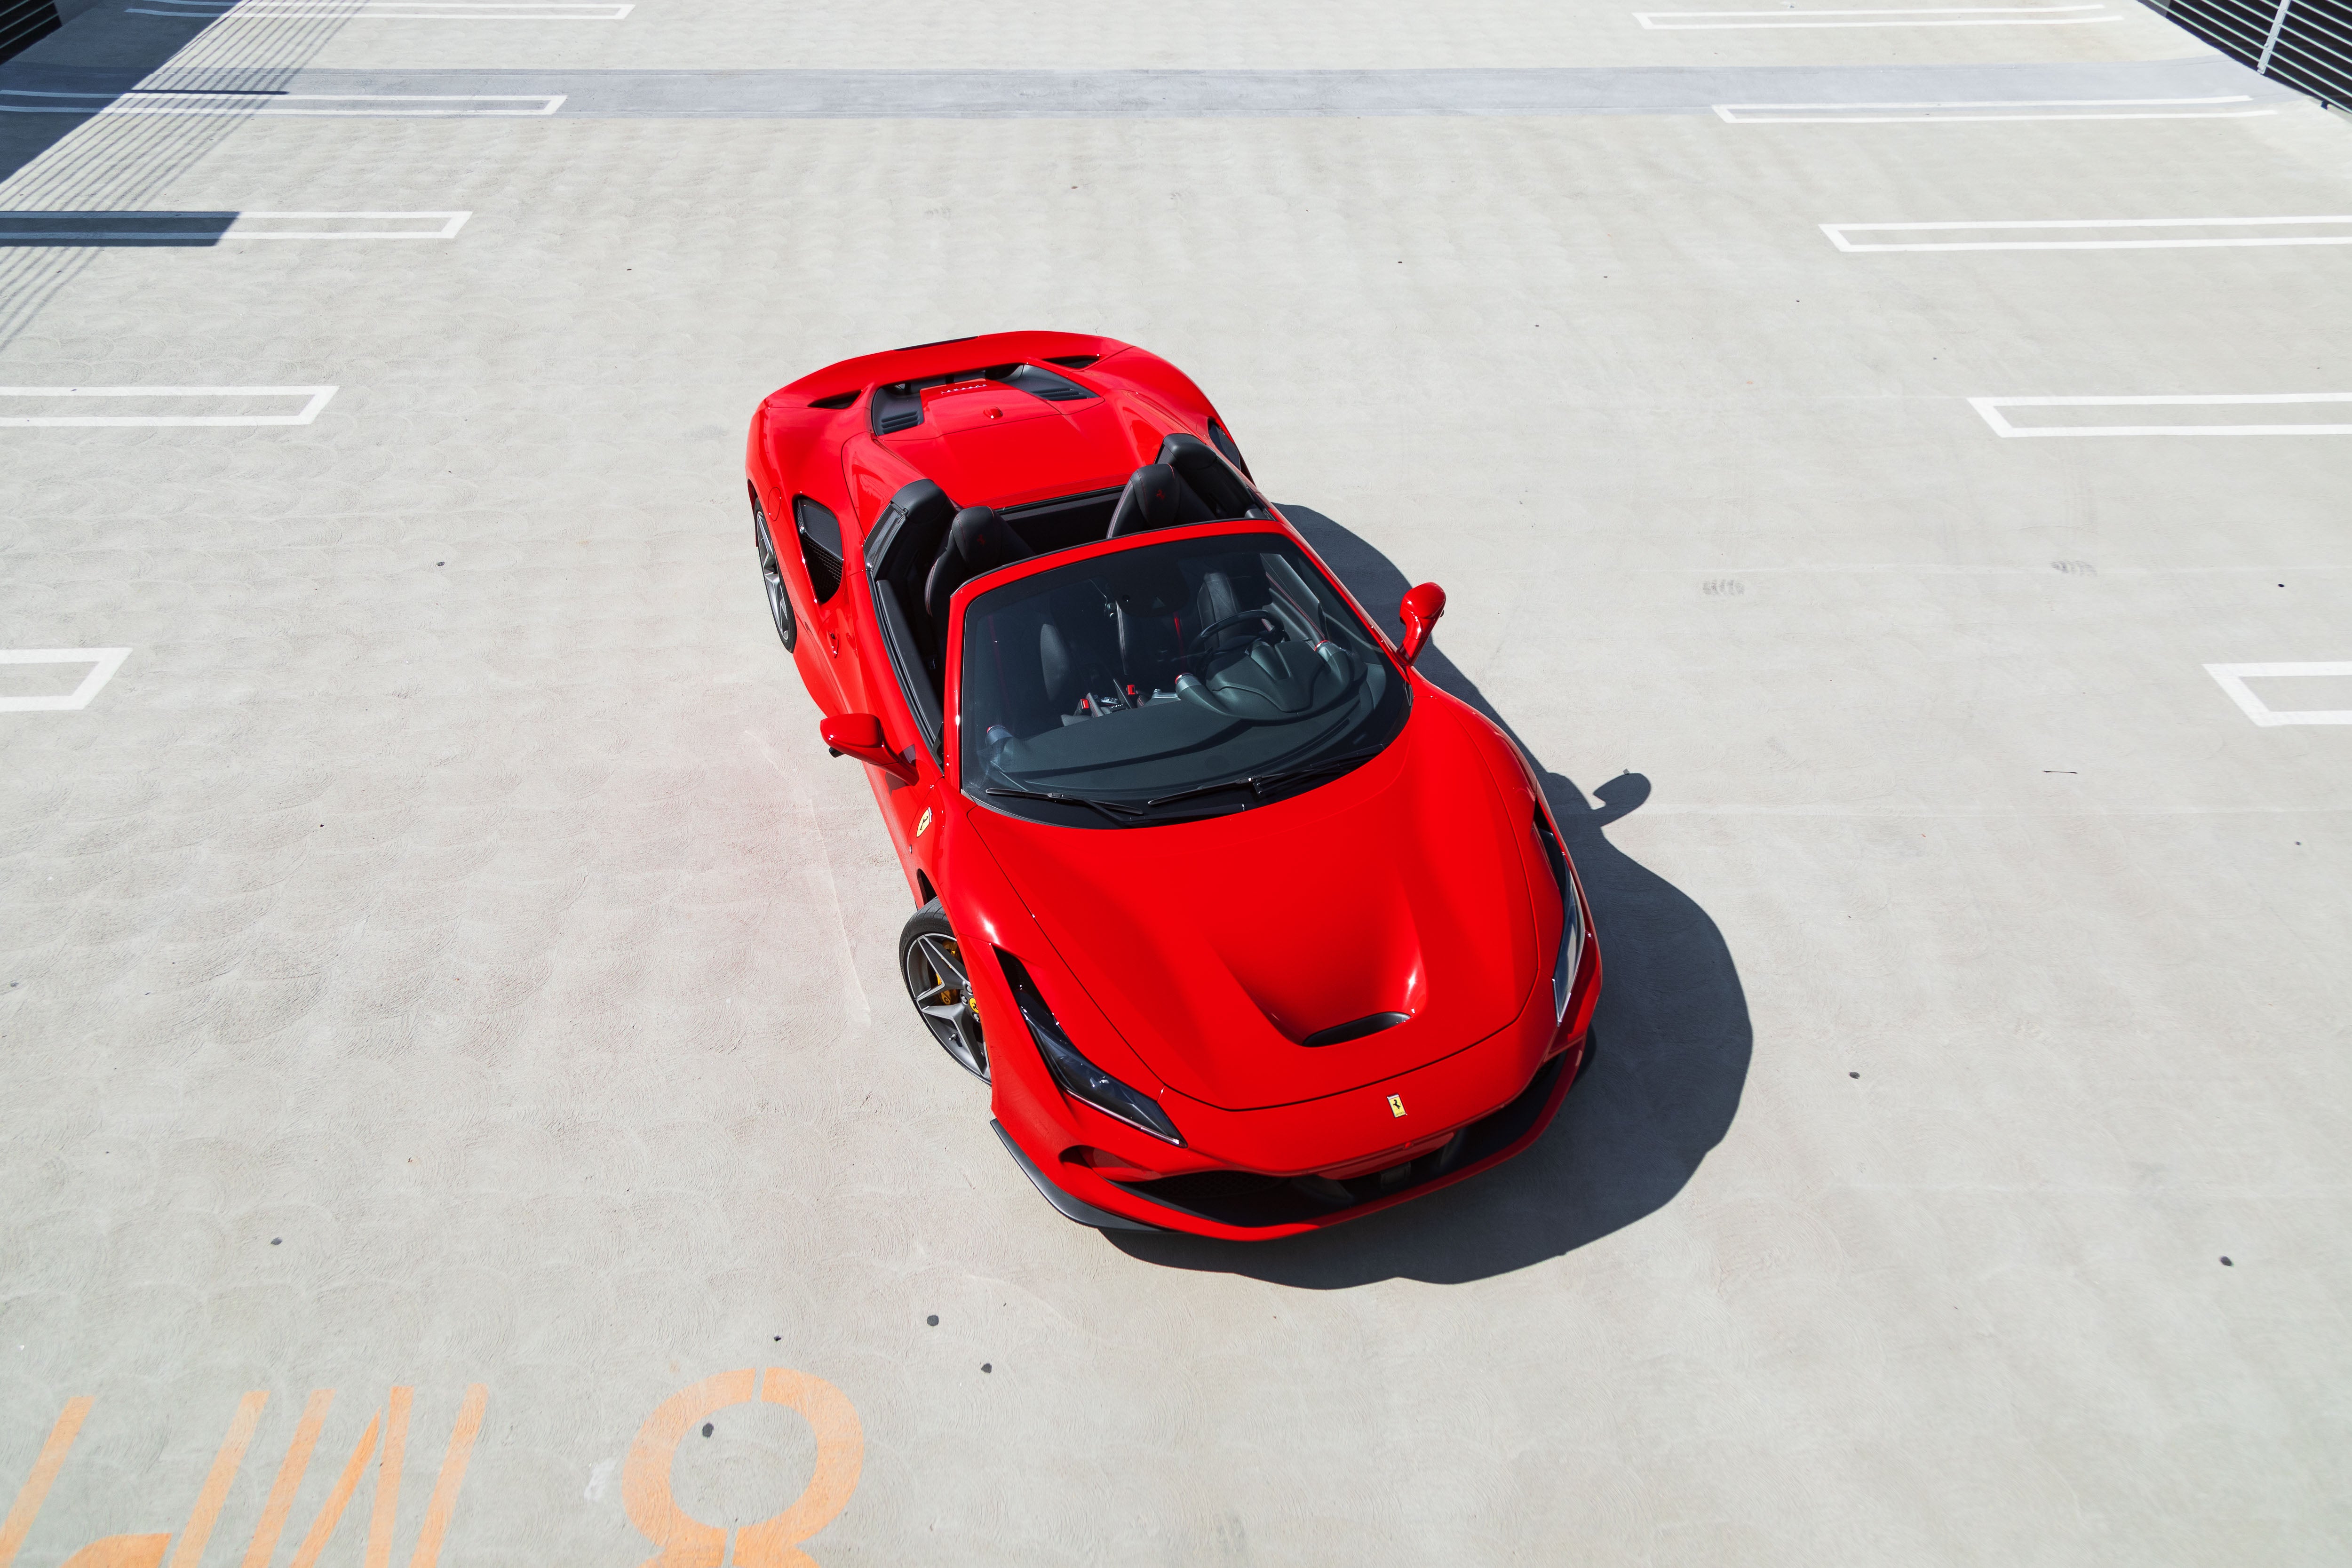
(1154, 497)
(1076, 654)
(1218, 602)
(978, 540)
(1152, 647)
(1221, 493)
(898, 550)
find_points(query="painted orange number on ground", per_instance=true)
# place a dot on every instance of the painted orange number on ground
(147, 1551)
(687, 1541)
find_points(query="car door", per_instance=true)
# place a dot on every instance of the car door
(781, 553)
(833, 631)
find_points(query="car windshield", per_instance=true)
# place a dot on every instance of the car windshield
(1169, 681)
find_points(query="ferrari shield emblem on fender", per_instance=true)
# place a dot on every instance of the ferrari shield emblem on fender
(923, 822)
(1396, 1105)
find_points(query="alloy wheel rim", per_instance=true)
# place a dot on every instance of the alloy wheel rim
(780, 608)
(938, 981)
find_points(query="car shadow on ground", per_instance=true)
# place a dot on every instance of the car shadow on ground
(1670, 1057)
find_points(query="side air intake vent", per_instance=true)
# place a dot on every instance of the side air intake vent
(820, 533)
(838, 400)
(1074, 361)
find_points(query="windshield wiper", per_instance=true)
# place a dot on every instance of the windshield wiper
(1124, 813)
(1257, 783)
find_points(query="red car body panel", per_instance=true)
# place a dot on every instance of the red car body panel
(1414, 883)
(1401, 870)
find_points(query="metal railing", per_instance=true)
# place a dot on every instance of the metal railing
(23, 23)
(2306, 43)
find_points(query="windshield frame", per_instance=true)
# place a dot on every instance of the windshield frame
(1054, 561)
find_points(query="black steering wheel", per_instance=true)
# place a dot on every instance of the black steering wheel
(1198, 638)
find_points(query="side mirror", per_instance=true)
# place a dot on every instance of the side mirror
(859, 735)
(1419, 610)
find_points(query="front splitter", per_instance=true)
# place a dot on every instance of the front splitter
(1070, 1207)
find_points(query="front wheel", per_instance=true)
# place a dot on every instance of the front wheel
(779, 604)
(939, 984)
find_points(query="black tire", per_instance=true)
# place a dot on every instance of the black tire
(931, 963)
(780, 603)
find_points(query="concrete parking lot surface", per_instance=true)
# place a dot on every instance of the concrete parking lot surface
(442, 966)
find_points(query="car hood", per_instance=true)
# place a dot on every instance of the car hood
(1217, 947)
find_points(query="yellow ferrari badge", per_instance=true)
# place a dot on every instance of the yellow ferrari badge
(923, 822)
(1396, 1105)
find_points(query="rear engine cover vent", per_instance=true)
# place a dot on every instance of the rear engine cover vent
(898, 404)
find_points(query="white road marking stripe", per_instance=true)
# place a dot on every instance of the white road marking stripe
(247, 225)
(1989, 409)
(173, 100)
(255, 225)
(103, 663)
(1838, 232)
(2233, 678)
(1947, 16)
(316, 397)
(2067, 107)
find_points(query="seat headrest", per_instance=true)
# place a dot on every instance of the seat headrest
(1223, 492)
(985, 540)
(909, 531)
(1151, 500)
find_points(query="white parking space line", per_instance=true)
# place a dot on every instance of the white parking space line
(392, 10)
(2233, 678)
(315, 398)
(165, 101)
(102, 661)
(1839, 232)
(1927, 17)
(104, 227)
(346, 225)
(1989, 109)
(1990, 410)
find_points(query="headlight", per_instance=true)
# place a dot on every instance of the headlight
(1079, 1077)
(1571, 924)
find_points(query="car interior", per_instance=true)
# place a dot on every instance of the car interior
(1166, 679)
(923, 548)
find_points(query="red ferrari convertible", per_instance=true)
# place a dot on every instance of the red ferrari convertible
(1249, 928)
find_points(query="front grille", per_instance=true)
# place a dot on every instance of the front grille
(1252, 1202)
